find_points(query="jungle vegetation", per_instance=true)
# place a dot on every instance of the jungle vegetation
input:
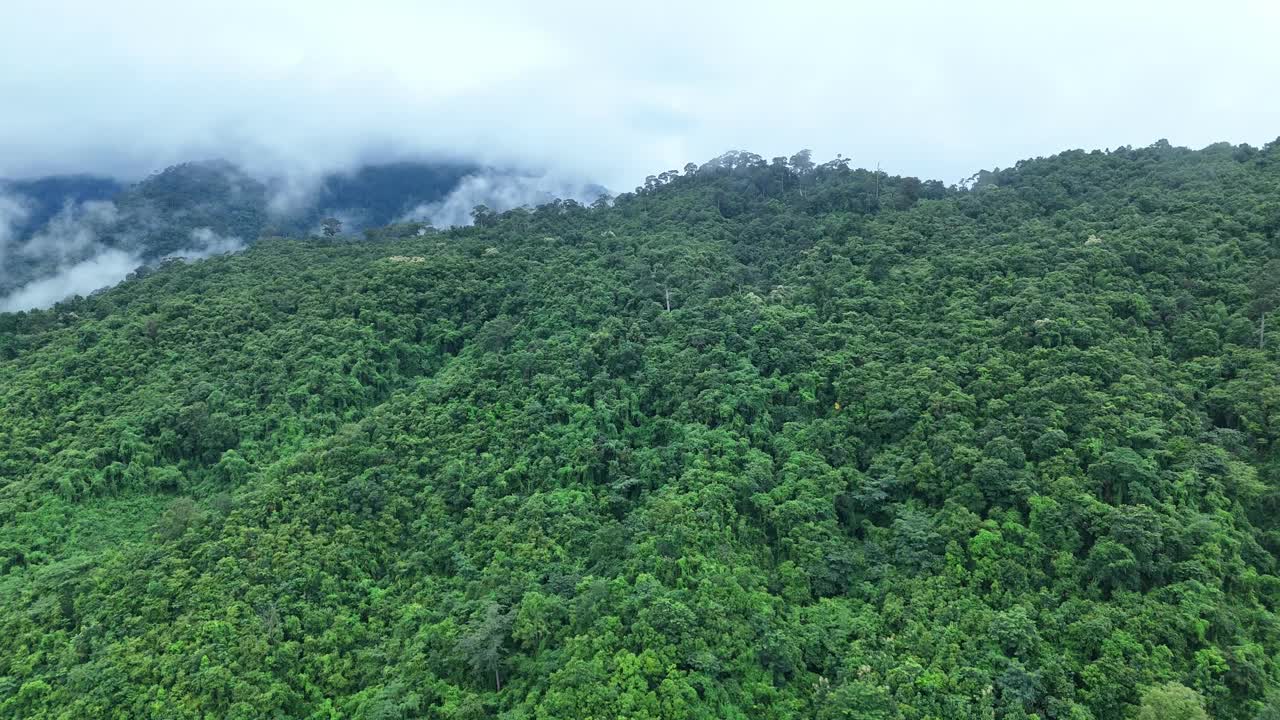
(760, 439)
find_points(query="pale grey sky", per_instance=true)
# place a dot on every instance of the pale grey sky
(620, 90)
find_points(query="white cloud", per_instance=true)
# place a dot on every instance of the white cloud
(102, 270)
(207, 243)
(71, 234)
(87, 265)
(498, 192)
(70, 247)
(14, 210)
(620, 91)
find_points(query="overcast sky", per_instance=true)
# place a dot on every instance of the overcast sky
(620, 90)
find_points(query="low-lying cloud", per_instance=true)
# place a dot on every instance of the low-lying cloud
(72, 233)
(93, 244)
(68, 255)
(68, 239)
(82, 264)
(104, 269)
(498, 192)
(206, 243)
(14, 211)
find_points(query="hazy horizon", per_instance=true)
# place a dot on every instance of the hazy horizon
(614, 94)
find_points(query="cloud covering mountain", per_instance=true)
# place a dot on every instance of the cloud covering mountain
(198, 209)
(616, 92)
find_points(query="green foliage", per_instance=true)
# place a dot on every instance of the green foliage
(1171, 701)
(759, 440)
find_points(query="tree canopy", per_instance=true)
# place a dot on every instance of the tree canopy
(761, 439)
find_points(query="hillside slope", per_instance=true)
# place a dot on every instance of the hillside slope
(760, 440)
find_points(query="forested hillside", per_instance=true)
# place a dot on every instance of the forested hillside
(758, 440)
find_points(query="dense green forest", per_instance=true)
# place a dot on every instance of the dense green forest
(761, 439)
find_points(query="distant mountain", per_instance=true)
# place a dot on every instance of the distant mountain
(376, 195)
(158, 215)
(44, 197)
(81, 225)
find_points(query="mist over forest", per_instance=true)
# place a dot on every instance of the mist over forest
(64, 236)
